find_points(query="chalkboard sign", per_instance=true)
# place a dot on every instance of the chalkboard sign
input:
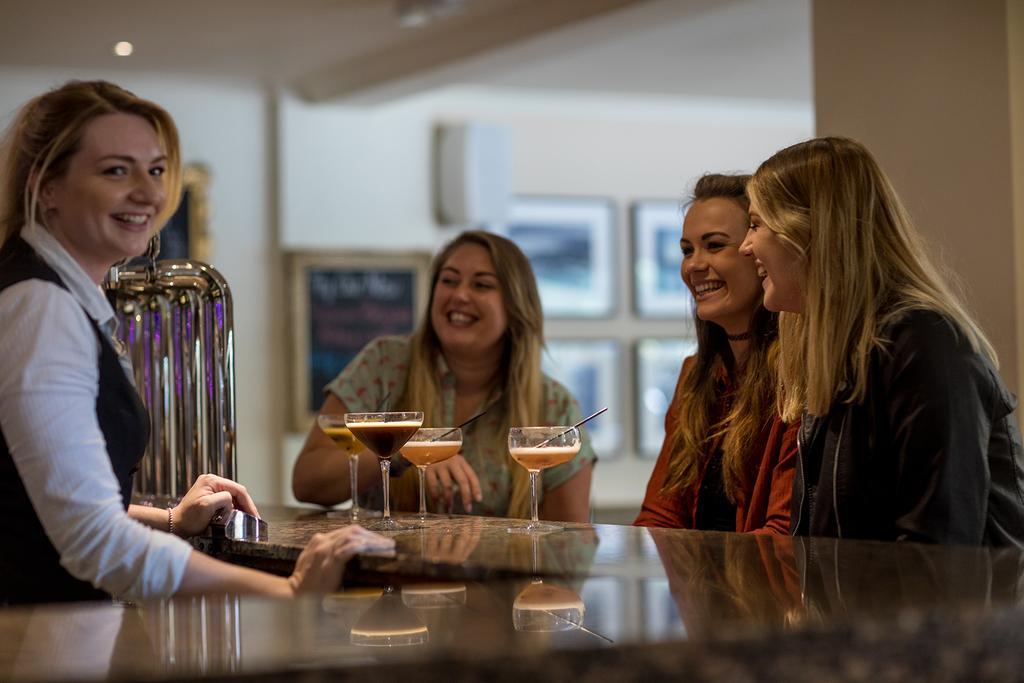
(341, 303)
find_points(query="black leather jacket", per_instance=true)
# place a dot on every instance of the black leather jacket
(932, 453)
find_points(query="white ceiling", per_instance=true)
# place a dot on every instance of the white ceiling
(704, 48)
(719, 48)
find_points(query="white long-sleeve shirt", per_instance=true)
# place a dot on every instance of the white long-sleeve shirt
(49, 382)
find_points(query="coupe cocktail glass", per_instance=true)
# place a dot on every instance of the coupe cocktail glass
(389, 623)
(333, 425)
(536, 449)
(384, 434)
(426, 447)
(547, 607)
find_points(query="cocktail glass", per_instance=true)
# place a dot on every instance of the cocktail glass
(389, 623)
(547, 607)
(536, 449)
(434, 595)
(427, 446)
(333, 425)
(384, 434)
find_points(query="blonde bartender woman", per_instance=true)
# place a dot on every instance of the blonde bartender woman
(90, 172)
(478, 347)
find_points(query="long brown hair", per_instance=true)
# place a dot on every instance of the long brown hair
(865, 264)
(47, 133)
(753, 399)
(519, 391)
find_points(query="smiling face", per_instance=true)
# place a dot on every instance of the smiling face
(778, 262)
(468, 308)
(104, 207)
(724, 284)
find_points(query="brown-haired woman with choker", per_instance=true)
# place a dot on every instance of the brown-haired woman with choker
(727, 461)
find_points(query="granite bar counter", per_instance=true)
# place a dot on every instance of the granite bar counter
(465, 600)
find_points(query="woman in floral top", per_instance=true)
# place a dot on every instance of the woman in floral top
(478, 346)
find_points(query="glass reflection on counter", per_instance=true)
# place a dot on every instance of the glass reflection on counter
(434, 595)
(547, 607)
(351, 602)
(389, 623)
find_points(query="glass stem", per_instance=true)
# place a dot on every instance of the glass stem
(533, 495)
(385, 469)
(353, 474)
(423, 495)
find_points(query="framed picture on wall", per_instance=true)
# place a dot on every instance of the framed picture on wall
(570, 242)
(589, 369)
(185, 236)
(186, 233)
(658, 362)
(658, 289)
(339, 302)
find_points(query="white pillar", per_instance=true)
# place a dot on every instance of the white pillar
(926, 85)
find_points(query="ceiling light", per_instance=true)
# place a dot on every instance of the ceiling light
(123, 48)
(416, 13)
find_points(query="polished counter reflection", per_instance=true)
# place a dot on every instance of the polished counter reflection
(660, 601)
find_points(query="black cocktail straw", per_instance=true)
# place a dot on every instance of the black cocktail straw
(385, 403)
(575, 426)
(454, 429)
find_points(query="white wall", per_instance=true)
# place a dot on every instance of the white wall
(360, 179)
(224, 125)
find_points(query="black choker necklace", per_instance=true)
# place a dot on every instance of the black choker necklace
(739, 337)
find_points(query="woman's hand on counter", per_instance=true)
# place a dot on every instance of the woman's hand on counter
(322, 562)
(208, 496)
(455, 471)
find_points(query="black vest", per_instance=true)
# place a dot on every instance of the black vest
(30, 568)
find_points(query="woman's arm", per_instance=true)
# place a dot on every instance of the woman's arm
(321, 473)
(49, 383)
(657, 509)
(569, 502)
(775, 480)
(210, 495)
(317, 570)
(566, 488)
(933, 394)
(674, 511)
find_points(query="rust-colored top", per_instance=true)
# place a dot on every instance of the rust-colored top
(766, 507)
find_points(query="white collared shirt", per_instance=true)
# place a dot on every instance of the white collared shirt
(49, 382)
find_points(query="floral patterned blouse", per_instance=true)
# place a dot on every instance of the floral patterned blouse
(380, 369)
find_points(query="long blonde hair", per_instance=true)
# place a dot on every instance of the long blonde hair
(864, 265)
(518, 394)
(47, 133)
(696, 436)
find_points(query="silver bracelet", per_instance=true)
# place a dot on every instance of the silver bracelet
(170, 521)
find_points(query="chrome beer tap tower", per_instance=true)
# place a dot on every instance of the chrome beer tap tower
(175, 322)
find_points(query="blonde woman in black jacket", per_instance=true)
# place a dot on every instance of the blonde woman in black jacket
(908, 433)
